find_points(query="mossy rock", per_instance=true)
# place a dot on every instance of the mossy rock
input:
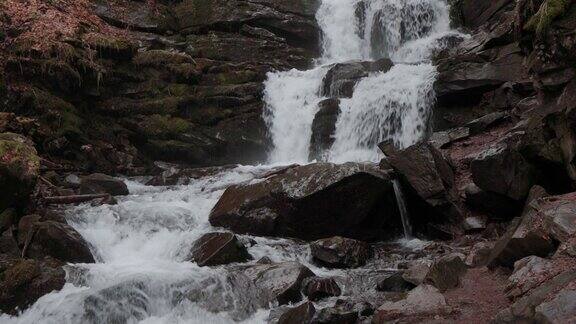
(185, 72)
(52, 73)
(111, 47)
(236, 77)
(119, 106)
(548, 12)
(19, 169)
(60, 116)
(159, 126)
(160, 58)
(178, 151)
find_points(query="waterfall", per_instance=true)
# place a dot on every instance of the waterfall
(385, 105)
(406, 226)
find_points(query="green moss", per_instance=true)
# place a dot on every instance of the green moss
(548, 12)
(178, 89)
(161, 58)
(61, 116)
(186, 72)
(237, 77)
(164, 126)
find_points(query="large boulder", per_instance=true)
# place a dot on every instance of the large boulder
(323, 128)
(340, 80)
(56, 239)
(311, 202)
(428, 176)
(19, 167)
(340, 252)
(23, 281)
(214, 249)
(283, 280)
(98, 183)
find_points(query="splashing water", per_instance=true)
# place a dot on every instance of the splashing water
(392, 105)
(403, 211)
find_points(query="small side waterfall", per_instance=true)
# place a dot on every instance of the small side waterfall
(407, 227)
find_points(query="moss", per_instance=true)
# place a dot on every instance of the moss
(185, 72)
(61, 116)
(110, 46)
(164, 126)
(161, 58)
(178, 89)
(237, 77)
(548, 12)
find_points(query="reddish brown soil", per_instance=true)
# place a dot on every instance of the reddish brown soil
(479, 298)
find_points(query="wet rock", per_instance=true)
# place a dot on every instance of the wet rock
(417, 272)
(214, 249)
(23, 281)
(340, 313)
(58, 240)
(283, 280)
(323, 127)
(340, 80)
(98, 183)
(445, 138)
(19, 168)
(312, 202)
(72, 181)
(234, 293)
(316, 288)
(299, 314)
(340, 252)
(395, 283)
(426, 172)
(446, 272)
(421, 300)
(502, 169)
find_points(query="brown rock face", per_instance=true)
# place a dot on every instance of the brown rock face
(340, 252)
(446, 272)
(218, 248)
(311, 202)
(323, 128)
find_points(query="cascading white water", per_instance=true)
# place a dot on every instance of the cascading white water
(141, 244)
(392, 105)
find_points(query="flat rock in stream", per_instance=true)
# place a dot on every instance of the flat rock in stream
(283, 280)
(340, 252)
(219, 248)
(314, 201)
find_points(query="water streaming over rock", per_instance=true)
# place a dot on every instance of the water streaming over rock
(142, 244)
(406, 226)
(385, 105)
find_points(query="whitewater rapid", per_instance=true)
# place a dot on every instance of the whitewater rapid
(141, 244)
